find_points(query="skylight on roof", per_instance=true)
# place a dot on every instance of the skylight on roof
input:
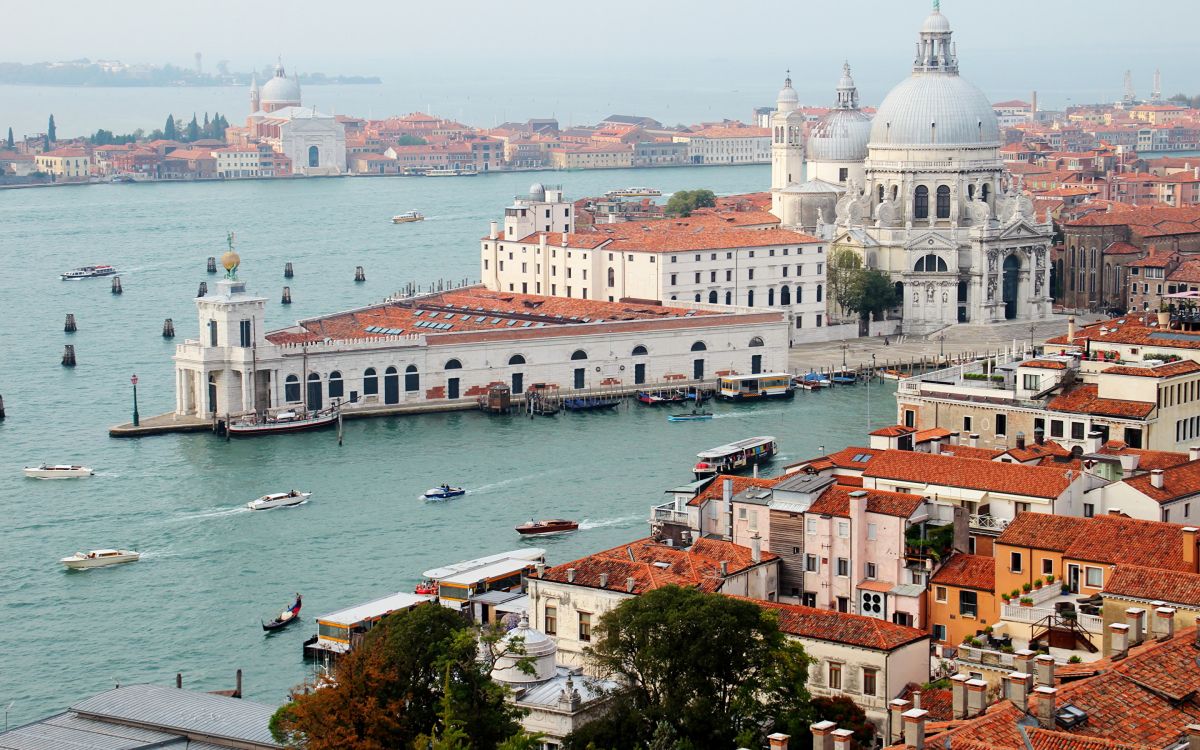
(432, 315)
(418, 313)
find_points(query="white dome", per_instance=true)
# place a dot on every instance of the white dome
(537, 191)
(539, 649)
(841, 135)
(935, 109)
(936, 23)
(787, 100)
(788, 94)
(280, 89)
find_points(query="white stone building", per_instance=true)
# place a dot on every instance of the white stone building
(727, 145)
(315, 142)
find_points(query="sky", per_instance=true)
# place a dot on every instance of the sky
(1077, 48)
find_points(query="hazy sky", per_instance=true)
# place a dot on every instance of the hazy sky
(1077, 46)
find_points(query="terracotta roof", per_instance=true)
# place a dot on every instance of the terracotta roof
(652, 564)
(1131, 329)
(1122, 248)
(1154, 260)
(715, 488)
(668, 235)
(1045, 364)
(1167, 370)
(1033, 451)
(939, 702)
(967, 571)
(1085, 399)
(933, 433)
(843, 459)
(841, 627)
(1178, 482)
(956, 471)
(1138, 582)
(1113, 540)
(835, 501)
(1147, 460)
(1187, 271)
(966, 451)
(896, 430)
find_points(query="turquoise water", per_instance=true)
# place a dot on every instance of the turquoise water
(211, 569)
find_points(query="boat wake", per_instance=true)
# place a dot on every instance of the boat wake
(215, 513)
(744, 414)
(514, 480)
(587, 524)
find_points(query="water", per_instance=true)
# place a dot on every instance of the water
(212, 570)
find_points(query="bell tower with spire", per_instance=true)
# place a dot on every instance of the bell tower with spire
(787, 138)
(254, 96)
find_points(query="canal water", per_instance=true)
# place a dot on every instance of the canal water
(212, 569)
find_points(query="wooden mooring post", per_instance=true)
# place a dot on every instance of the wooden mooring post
(168, 329)
(203, 290)
(68, 358)
(286, 299)
(287, 270)
(69, 326)
(359, 274)
(116, 285)
(212, 264)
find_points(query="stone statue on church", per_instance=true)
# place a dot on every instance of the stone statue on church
(885, 214)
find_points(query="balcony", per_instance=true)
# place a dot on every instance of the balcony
(987, 523)
(666, 513)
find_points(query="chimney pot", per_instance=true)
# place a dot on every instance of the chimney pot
(630, 582)
(1046, 697)
(1135, 618)
(724, 568)
(1021, 441)
(756, 548)
(896, 708)
(842, 738)
(1156, 478)
(570, 575)
(916, 699)
(1017, 688)
(914, 728)
(779, 741)
(822, 735)
(1039, 436)
(1023, 660)
(974, 440)
(1118, 640)
(1070, 328)
(1194, 453)
(1044, 667)
(604, 580)
(954, 438)
(958, 693)
(1191, 549)
(976, 697)
(1164, 625)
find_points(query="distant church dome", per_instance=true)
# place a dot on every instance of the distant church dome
(788, 100)
(934, 106)
(843, 133)
(280, 91)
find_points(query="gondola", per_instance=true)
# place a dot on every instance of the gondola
(285, 618)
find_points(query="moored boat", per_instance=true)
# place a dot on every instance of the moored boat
(445, 492)
(286, 617)
(279, 500)
(634, 192)
(844, 377)
(426, 588)
(670, 396)
(891, 374)
(88, 272)
(99, 558)
(280, 422)
(548, 526)
(735, 457)
(407, 217)
(753, 387)
(697, 414)
(812, 381)
(590, 403)
(57, 471)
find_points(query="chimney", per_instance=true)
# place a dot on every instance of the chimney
(724, 568)
(1135, 618)
(630, 582)
(1033, 110)
(756, 548)
(914, 728)
(822, 735)
(494, 231)
(564, 239)
(1070, 329)
(958, 695)
(1020, 441)
(954, 438)
(916, 699)
(779, 741)
(1095, 440)
(541, 569)
(604, 580)
(976, 697)
(1045, 697)
(1039, 436)
(542, 243)
(570, 575)
(1193, 734)
(1043, 666)
(857, 507)
(1118, 640)
(935, 447)
(1164, 623)
(1023, 661)
(1194, 453)
(842, 739)
(896, 710)
(1191, 548)
(1017, 687)
(1156, 478)
(974, 440)
(1129, 463)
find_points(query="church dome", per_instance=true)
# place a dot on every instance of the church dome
(539, 649)
(537, 192)
(787, 100)
(935, 23)
(841, 135)
(935, 109)
(280, 89)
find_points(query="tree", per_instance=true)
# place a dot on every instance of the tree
(410, 140)
(417, 673)
(51, 132)
(11, 143)
(841, 273)
(169, 131)
(870, 294)
(684, 202)
(847, 715)
(696, 670)
(193, 129)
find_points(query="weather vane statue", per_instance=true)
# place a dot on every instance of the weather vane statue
(230, 260)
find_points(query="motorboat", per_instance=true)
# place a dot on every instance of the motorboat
(891, 374)
(449, 172)
(548, 526)
(99, 558)
(286, 617)
(697, 414)
(812, 381)
(407, 217)
(279, 500)
(57, 471)
(88, 272)
(844, 377)
(445, 492)
(633, 192)
(426, 588)
(735, 457)
(758, 386)
(281, 422)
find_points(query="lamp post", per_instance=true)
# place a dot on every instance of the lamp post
(136, 420)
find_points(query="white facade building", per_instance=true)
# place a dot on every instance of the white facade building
(727, 145)
(315, 142)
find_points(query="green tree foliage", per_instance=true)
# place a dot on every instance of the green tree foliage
(870, 294)
(696, 670)
(684, 202)
(51, 132)
(10, 143)
(847, 715)
(169, 132)
(416, 674)
(1186, 101)
(841, 273)
(411, 140)
(193, 130)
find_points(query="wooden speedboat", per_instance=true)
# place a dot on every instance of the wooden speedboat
(99, 558)
(57, 471)
(693, 416)
(735, 457)
(445, 492)
(286, 617)
(548, 526)
(284, 421)
(279, 500)
(408, 217)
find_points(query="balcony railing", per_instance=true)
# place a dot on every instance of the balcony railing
(668, 514)
(984, 522)
(1016, 613)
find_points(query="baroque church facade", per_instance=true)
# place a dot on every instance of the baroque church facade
(918, 191)
(315, 142)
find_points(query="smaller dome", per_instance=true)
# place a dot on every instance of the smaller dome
(539, 649)
(936, 23)
(841, 135)
(787, 100)
(537, 191)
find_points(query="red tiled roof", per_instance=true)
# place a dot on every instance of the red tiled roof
(1178, 482)
(1045, 364)
(966, 451)
(1110, 539)
(1085, 399)
(1187, 271)
(1168, 370)
(1033, 451)
(933, 433)
(1154, 260)
(841, 627)
(967, 571)
(652, 564)
(895, 430)
(1138, 582)
(713, 231)
(1147, 460)
(1122, 248)
(715, 488)
(956, 471)
(939, 702)
(835, 501)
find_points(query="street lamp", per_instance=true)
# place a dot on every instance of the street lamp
(136, 420)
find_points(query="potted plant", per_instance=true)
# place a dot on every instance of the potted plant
(1050, 578)
(1006, 597)
(1026, 601)
(1065, 590)
(1026, 587)
(1006, 649)
(987, 630)
(1074, 660)
(1038, 584)
(1016, 594)
(1164, 313)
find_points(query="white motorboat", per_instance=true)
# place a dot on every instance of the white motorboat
(634, 192)
(99, 558)
(407, 217)
(87, 272)
(57, 471)
(278, 500)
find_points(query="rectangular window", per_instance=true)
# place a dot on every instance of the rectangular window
(835, 676)
(968, 604)
(1015, 562)
(843, 528)
(1056, 428)
(1077, 430)
(869, 680)
(810, 526)
(585, 627)
(1047, 566)
(808, 599)
(246, 336)
(966, 424)
(712, 276)
(1095, 577)
(697, 277)
(870, 571)
(1001, 424)
(872, 531)
(551, 620)
(674, 279)
(729, 275)
(810, 564)
(751, 272)
(212, 333)
(843, 567)
(1089, 510)
(939, 633)
(940, 594)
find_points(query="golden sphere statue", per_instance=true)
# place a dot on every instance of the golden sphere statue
(230, 260)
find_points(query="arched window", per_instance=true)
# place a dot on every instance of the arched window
(371, 382)
(697, 296)
(750, 298)
(412, 380)
(314, 391)
(985, 191)
(971, 192)
(336, 388)
(899, 289)
(882, 193)
(712, 297)
(453, 364)
(612, 278)
(729, 298)
(930, 264)
(756, 341)
(314, 156)
(785, 295)
(640, 351)
(819, 292)
(699, 347)
(921, 203)
(516, 359)
(943, 202)
(771, 297)
(578, 354)
(291, 388)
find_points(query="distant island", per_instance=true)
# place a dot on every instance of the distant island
(114, 73)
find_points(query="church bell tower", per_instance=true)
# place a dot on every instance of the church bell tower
(787, 138)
